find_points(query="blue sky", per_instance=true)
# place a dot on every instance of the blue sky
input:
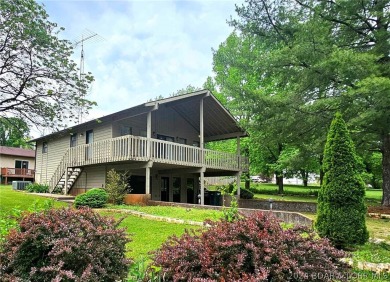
(150, 48)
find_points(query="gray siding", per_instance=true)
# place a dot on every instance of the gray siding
(47, 163)
(168, 122)
(91, 177)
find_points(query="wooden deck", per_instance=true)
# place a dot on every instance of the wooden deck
(24, 173)
(136, 148)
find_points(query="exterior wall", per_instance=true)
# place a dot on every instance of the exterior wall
(46, 163)
(9, 161)
(156, 186)
(137, 124)
(91, 177)
(166, 121)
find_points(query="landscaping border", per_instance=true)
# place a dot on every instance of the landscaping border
(286, 216)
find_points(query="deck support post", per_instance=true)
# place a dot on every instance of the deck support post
(238, 182)
(148, 149)
(202, 186)
(147, 180)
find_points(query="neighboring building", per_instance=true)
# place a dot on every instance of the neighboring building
(16, 164)
(161, 144)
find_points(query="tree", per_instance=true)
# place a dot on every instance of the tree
(341, 214)
(14, 132)
(332, 56)
(39, 83)
(262, 103)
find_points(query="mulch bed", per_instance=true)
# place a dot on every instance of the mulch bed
(379, 209)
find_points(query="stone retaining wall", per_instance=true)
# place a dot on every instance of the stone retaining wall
(278, 205)
(288, 217)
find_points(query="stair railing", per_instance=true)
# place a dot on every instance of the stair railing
(59, 172)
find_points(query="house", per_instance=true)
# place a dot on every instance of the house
(16, 164)
(160, 143)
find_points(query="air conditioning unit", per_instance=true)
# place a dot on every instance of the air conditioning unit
(20, 185)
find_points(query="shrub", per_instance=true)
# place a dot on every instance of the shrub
(37, 188)
(117, 186)
(246, 194)
(255, 248)
(64, 245)
(341, 213)
(94, 198)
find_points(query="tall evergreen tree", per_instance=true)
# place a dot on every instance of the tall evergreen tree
(341, 209)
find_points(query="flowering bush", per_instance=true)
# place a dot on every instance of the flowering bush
(64, 245)
(255, 248)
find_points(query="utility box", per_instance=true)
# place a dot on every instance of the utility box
(20, 185)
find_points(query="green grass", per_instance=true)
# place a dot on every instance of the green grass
(147, 235)
(11, 199)
(377, 227)
(370, 252)
(300, 193)
(176, 212)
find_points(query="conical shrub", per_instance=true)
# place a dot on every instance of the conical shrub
(341, 210)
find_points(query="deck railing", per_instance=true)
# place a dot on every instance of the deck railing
(17, 172)
(136, 148)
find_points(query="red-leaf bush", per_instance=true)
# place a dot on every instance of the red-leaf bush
(64, 245)
(254, 248)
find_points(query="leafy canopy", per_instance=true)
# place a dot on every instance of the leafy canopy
(39, 83)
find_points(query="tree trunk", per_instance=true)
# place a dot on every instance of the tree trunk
(247, 181)
(321, 170)
(305, 177)
(386, 170)
(279, 182)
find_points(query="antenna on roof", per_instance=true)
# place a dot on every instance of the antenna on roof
(89, 37)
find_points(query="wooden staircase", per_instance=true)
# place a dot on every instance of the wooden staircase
(72, 173)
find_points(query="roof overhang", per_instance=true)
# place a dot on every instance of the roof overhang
(219, 123)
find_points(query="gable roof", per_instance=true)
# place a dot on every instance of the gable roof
(219, 123)
(17, 152)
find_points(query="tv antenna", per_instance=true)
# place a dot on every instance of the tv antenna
(86, 37)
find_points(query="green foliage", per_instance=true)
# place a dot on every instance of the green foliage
(117, 186)
(290, 66)
(39, 82)
(37, 188)
(94, 198)
(9, 218)
(14, 132)
(341, 209)
(230, 213)
(64, 245)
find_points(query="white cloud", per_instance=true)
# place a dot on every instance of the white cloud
(151, 48)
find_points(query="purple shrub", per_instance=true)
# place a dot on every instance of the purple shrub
(64, 245)
(255, 248)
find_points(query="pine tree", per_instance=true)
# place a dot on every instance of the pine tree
(341, 209)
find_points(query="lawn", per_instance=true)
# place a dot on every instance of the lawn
(11, 199)
(176, 212)
(303, 194)
(148, 235)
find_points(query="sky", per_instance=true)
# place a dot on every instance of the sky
(143, 49)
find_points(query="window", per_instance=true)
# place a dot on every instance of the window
(125, 130)
(181, 140)
(73, 140)
(44, 147)
(21, 164)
